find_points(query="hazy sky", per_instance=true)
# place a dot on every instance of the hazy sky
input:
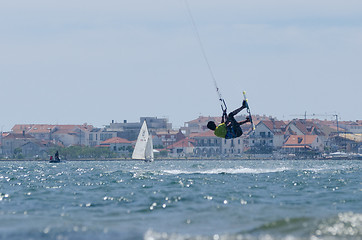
(71, 62)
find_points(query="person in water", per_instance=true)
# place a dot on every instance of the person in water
(57, 156)
(230, 128)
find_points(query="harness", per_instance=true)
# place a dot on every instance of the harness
(231, 132)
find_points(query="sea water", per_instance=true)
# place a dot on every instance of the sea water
(181, 200)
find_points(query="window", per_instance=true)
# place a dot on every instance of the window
(239, 141)
(262, 134)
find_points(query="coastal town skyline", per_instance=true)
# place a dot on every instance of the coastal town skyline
(74, 62)
(306, 137)
(305, 115)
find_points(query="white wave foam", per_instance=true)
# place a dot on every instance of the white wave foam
(239, 170)
(325, 168)
(153, 235)
(345, 224)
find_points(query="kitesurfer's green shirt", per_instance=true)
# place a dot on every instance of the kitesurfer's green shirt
(221, 130)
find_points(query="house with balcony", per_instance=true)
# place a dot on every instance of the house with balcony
(207, 144)
(268, 136)
(130, 130)
(13, 141)
(303, 144)
(347, 142)
(36, 149)
(98, 135)
(304, 127)
(182, 148)
(232, 147)
(352, 127)
(310, 127)
(68, 135)
(38, 131)
(119, 145)
(198, 125)
(169, 137)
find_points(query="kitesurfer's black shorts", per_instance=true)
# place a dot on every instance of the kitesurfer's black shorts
(234, 129)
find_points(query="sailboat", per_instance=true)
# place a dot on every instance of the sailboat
(144, 146)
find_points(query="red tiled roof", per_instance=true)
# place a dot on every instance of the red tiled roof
(308, 126)
(203, 119)
(41, 128)
(276, 126)
(186, 142)
(295, 140)
(18, 136)
(115, 140)
(4, 134)
(71, 127)
(171, 132)
(45, 128)
(19, 128)
(208, 133)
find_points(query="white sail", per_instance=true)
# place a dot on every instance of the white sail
(149, 149)
(144, 147)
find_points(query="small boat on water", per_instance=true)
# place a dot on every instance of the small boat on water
(56, 158)
(144, 146)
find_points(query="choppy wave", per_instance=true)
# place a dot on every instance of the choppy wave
(181, 200)
(343, 226)
(238, 170)
(346, 225)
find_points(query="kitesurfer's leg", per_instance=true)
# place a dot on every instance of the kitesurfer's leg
(234, 125)
(245, 121)
(236, 129)
(236, 111)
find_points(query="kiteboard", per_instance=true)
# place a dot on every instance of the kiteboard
(249, 112)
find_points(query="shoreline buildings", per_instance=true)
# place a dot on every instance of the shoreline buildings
(305, 137)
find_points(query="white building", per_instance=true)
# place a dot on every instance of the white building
(232, 146)
(207, 144)
(268, 135)
(183, 148)
(297, 143)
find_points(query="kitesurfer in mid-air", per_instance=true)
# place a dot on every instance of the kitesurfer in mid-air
(229, 127)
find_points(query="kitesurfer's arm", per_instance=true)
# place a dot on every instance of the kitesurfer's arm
(224, 116)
